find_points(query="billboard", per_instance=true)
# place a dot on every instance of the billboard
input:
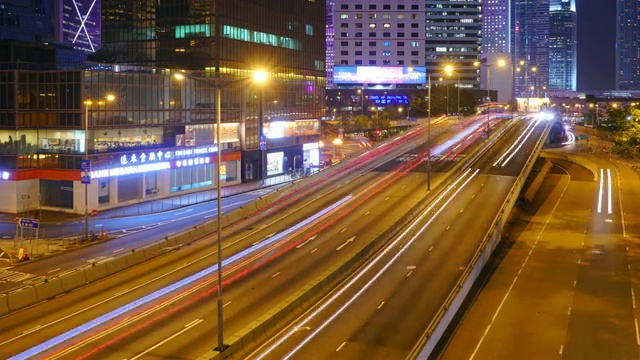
(82, 24)
(379, 75)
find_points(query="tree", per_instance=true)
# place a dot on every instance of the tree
(362, 122)
(626, 142)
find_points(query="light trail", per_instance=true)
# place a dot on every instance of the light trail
(600, 192)
(357, 277)
(609, 191)
(517, 144)
(47, 345)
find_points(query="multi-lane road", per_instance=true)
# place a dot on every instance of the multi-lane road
(566, 287)
(341, 216)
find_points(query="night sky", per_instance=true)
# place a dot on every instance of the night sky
(596, 44)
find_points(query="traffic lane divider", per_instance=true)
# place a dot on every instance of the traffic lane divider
(48, 289)
(22, 298)
(73, 280)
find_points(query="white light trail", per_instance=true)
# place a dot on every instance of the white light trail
(529, 126)
(79, 330)
(378, 258)
(600, 192)
(528, 132)
(609, 190)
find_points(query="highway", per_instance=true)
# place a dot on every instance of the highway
(393, 311)
(577, 265)
(246, 297)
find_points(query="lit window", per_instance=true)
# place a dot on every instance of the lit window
(372, 25)
(386, 25)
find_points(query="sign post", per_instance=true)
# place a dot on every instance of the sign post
(85, 178)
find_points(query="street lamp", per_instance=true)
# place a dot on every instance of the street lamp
(336, 144)
(449, 69)
(500, 63)
(87, 180)
(361, 92)
(258, 77)
(428, 126)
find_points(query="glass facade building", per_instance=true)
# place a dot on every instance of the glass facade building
(627, 44)
(148, 135)
(496, 26)
(562, 45)
(530, 46)
(453, 31)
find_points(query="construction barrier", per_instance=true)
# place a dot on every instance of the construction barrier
(4, 306)
(96, 272)
(49, 289)
(73, 280)
(22, 298)
(116, 265)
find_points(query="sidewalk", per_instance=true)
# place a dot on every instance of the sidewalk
(152, 206)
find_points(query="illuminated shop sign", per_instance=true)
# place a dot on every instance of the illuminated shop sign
(129, 170)
(196, 151)
(145, 157)
(310, 146)
(389, 99)
(379, 75)
(223, 172)
(194, 161)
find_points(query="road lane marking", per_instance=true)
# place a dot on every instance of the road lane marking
(54, 270)
(600, 191)
(609, 209)
(504, 299)
(561, 349)
(265, 238)
(367, 213)
(431, 248)
(461, 210)
(386, 198)
(186, 327)
(624, 228)
(341, 345)
(345, 243)
(637, 333)
(448, 227)
(379, 306)
(579, 261)
(343, 230)
(633, 299)
(314, 250)
(569, 312)
(115, 251)
(276, 274)
(225, 305)
(575, 282)
(306, 241)
(31, 330)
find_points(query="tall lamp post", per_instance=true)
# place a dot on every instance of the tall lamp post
(86, 179)
(449, 69)
(259, 77)
(361, 92)
(500, 63)
(428, 126)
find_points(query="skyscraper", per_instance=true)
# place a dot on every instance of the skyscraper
(627, 44)
(496, 26)
(330, 33)
(453, 37)
(562, 45)
(530, 47)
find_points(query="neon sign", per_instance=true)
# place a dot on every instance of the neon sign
(131, 169)
(191, 162)
(144, 157)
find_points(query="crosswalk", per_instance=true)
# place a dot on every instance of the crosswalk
(17, 276)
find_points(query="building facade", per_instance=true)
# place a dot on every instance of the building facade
(530, 47)
(31, 21)
(330, 43)
(627, 44)
(453, 31)
(496, 26)
(563, 45)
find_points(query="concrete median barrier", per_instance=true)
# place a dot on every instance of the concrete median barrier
(22, 298)
(73, 280)
(152, 251)
(96, 272)
(116, 265)
(134, 258)
(4, 306)
(50, 289)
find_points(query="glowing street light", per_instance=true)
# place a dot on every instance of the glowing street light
(258, 77)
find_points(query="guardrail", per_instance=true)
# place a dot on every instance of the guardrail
(432, 335)
(281, 315)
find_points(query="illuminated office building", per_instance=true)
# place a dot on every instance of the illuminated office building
(496, 26)
(562, 45)
(529, 45)
(155, 139)
(627, 45)
(453, 37)
(330, 33)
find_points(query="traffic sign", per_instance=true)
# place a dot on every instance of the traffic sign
(94, 213)
(16, 220)
(29, 223)
(85, 167)
(412, 119)
(263, 142)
